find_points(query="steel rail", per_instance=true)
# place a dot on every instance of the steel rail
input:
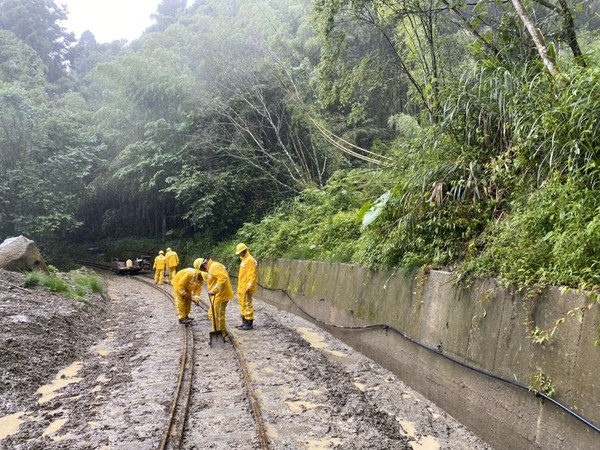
(173, 430)
(172, 435)
(261, 429)
(260, 425)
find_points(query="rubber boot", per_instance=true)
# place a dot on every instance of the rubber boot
(247, 325)
(243, 324)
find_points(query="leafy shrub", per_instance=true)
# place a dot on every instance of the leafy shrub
(88, 281)
(319, 224)
(552, 238)
(506, 184)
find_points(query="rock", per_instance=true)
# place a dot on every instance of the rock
(19, 254)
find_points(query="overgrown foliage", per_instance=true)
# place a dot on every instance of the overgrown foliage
(507, 184)
(382, 133)
(319, 224)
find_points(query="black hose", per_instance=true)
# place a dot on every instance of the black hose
(449, 358)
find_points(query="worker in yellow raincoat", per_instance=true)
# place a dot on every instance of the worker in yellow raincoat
(246, 287)
(187, 286)
(172, 263)
(219, 291)
(159, 266)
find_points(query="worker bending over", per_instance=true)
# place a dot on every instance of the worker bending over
(219, 291)
(187, 285)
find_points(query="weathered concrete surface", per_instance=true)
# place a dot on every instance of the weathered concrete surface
(484, 326)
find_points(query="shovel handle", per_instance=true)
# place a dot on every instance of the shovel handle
(211, 299)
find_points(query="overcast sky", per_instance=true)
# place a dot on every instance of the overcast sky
(109, 20)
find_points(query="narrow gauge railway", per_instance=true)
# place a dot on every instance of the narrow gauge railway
(174, 428)
(173, 433)
(307, 389)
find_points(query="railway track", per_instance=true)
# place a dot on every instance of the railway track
(173, 429)
(175, 425)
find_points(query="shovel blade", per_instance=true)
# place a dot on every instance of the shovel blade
(216, 339)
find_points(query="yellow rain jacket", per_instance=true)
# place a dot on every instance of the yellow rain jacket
(218, 281)
(248, 275)
(172, 262)
(187, 285)
(172, 259)
(159, 262)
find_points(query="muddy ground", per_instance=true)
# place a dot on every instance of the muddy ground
(93, 374)
(100, 374)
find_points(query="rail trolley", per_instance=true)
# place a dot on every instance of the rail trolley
(131, 266)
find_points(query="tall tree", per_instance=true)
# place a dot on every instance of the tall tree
(19, 63)
(167, 13)
(48, 158)
(36, 22)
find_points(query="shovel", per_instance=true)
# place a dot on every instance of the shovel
(216, 337)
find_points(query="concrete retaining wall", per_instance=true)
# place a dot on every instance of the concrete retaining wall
(484, 326)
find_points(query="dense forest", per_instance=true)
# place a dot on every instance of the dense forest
(384, 133)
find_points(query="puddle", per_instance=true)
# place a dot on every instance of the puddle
(340, 357)
(434, 415)
(62, 379)
(426, 443)
(271, 432)
(361, 386)
(408, 427)
(300, 407)
(323, 444)
(9, 425)
(314, 339)
(54, 427)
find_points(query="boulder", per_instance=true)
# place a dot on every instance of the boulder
(21, 254)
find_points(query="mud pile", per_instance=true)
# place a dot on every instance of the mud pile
(40, 333)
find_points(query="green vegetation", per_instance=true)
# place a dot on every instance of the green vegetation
(540, 382)
(75, 284)
(528, 214)
(382, 133)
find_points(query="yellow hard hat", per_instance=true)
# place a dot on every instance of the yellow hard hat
(169, 249)
(198, 262)
(160, 252)
(240, 248)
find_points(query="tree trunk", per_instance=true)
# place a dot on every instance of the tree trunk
(568, 32)
(537, 37)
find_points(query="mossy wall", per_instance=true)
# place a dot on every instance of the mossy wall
(485, 326)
